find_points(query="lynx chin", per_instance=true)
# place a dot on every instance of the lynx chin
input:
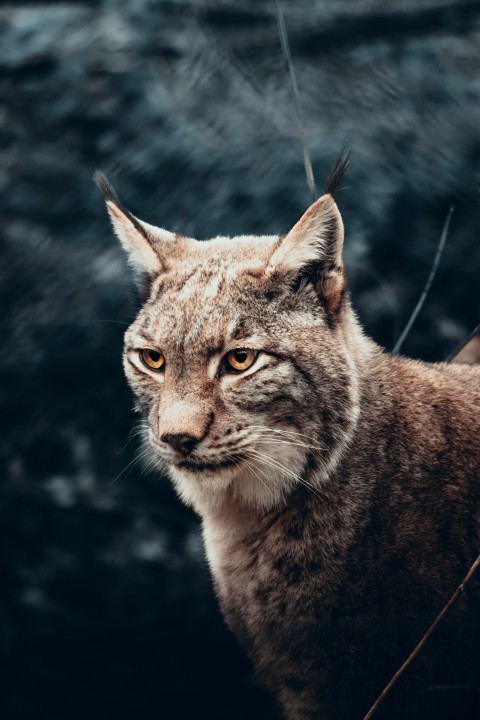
(338, 485)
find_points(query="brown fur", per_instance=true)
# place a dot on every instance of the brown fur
(338, 485)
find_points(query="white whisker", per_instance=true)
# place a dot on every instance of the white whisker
(139, 428)
(253, 468)
(136, 459)
(279, 466)
(289, 433)
(149, 464)
(289, 442)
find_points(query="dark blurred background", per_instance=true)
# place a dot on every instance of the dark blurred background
(106, 607)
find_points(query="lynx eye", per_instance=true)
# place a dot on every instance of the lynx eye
(152, 359)
(240, 360)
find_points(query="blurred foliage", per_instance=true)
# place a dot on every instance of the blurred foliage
(105, 602)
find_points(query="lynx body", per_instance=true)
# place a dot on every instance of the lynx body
(338, 486)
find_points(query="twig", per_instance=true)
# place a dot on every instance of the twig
(307, 163)
(426, 289)
(463, 344)
(424, 639)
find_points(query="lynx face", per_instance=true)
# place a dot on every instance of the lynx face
(224, 356)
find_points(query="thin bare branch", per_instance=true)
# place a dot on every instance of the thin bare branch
(424, 639)
(307, 163)
(428, 284)
(468, 350)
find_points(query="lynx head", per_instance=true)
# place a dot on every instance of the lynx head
(239, 358)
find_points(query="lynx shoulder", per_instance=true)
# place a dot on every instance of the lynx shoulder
(338, 486)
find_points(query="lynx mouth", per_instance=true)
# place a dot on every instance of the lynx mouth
(196, 467)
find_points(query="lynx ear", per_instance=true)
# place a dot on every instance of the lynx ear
(142, 242)
(312, 251)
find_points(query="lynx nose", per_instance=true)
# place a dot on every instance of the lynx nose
(182, 443)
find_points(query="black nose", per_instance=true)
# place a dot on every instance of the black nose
(182, 443)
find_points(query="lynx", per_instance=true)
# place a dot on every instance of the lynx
(338, 485)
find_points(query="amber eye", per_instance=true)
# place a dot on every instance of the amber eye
(152, 359)
(239, 360)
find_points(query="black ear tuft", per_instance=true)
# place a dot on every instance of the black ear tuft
(338, 171)
(104, 186)
(110, 195)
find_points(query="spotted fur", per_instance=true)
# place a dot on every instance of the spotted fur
(338, 485)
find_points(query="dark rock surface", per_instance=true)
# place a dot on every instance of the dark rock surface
(106, 608)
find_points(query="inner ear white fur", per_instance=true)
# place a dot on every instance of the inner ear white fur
(139, 240)
(316, 237)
